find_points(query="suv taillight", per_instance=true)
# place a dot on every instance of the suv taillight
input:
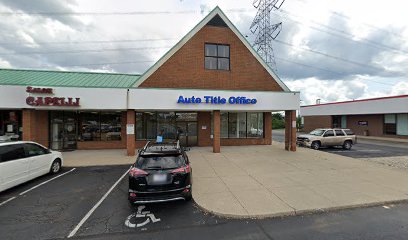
(185, 169)
(136, 172)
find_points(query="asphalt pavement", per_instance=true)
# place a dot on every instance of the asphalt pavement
(55, 208)
(363, 149)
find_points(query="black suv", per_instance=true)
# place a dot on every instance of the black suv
(161, 173)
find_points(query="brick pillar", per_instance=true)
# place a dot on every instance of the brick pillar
(268, 128)
(28, 121)
(287, 129)
(293, 132)
(290, 130)
(130, 138)
(217, 132)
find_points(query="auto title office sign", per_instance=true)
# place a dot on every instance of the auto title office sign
(50, 101)
(216, 100)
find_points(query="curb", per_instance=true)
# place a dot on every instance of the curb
(301, 212)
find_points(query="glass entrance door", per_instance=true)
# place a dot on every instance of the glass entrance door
(63, 130)
(192, 134)
(187, 133)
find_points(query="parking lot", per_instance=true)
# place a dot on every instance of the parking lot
(365, 148)
(56, 208)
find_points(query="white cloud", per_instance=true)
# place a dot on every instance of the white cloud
(400, 88)
(312, 89)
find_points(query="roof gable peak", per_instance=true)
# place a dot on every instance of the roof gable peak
(215, 17)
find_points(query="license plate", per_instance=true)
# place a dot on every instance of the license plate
(159, 177)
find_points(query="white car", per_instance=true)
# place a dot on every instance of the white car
(22, 161)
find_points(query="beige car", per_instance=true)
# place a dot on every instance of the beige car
(327, 137)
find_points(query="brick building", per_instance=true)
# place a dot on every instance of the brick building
(210, 89)
(386, 116)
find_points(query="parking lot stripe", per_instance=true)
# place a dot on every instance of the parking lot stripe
(36, 186)
(8, 200)
(83, 220)
(49, 180)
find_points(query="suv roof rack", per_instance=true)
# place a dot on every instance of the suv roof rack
(161, 148)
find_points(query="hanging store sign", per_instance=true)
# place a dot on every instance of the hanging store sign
(215, 100)
(50, 101)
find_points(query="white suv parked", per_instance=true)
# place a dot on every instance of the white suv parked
(22, 161)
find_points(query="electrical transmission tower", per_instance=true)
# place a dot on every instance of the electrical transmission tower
(265, 32)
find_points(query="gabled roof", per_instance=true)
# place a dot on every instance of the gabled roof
(216, 11)
(66, 79)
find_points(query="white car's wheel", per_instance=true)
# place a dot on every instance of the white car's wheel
(55, 166)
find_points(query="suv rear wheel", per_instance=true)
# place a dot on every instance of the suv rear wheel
(315, 145)
(347, 145)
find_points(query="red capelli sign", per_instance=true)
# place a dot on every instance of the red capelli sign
(53, 101)
(50, 101)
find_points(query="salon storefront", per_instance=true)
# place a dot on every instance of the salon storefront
(210, 89)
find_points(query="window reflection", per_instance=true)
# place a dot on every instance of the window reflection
(100, 126)
(240, 125)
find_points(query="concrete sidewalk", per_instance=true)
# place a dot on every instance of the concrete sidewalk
(83, 158)
(261, 181)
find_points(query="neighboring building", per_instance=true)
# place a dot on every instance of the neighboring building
(210, 89)
(386, 116)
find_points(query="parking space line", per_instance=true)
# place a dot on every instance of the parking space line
(49, 180)
(8, 200)
(36, 186)
(83, 220)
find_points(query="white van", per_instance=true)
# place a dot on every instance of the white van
(22, 161)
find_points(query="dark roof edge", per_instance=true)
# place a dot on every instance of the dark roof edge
(361, 100)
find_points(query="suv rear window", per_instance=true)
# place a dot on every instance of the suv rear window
(159, 162)
(348, 132)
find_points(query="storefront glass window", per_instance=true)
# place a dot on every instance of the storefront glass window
(150, 120)
(232, 125)
(390, 124)
(402, 124)
(10, 126)
(166, 125)
(100, 126)
(111, 126)
(139, 126)
(240, 125)
(255, 125)
(237, 125)
(224, 124)
(90, 126)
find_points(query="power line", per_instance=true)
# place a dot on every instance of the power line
(86, 50)
(120, 13)
(151, 48)
(328, 55)
(350, 38)
(278, 58)
(327, 70)
(93, 41)
(348, 18)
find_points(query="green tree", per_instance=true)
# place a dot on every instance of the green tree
(278, 121)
